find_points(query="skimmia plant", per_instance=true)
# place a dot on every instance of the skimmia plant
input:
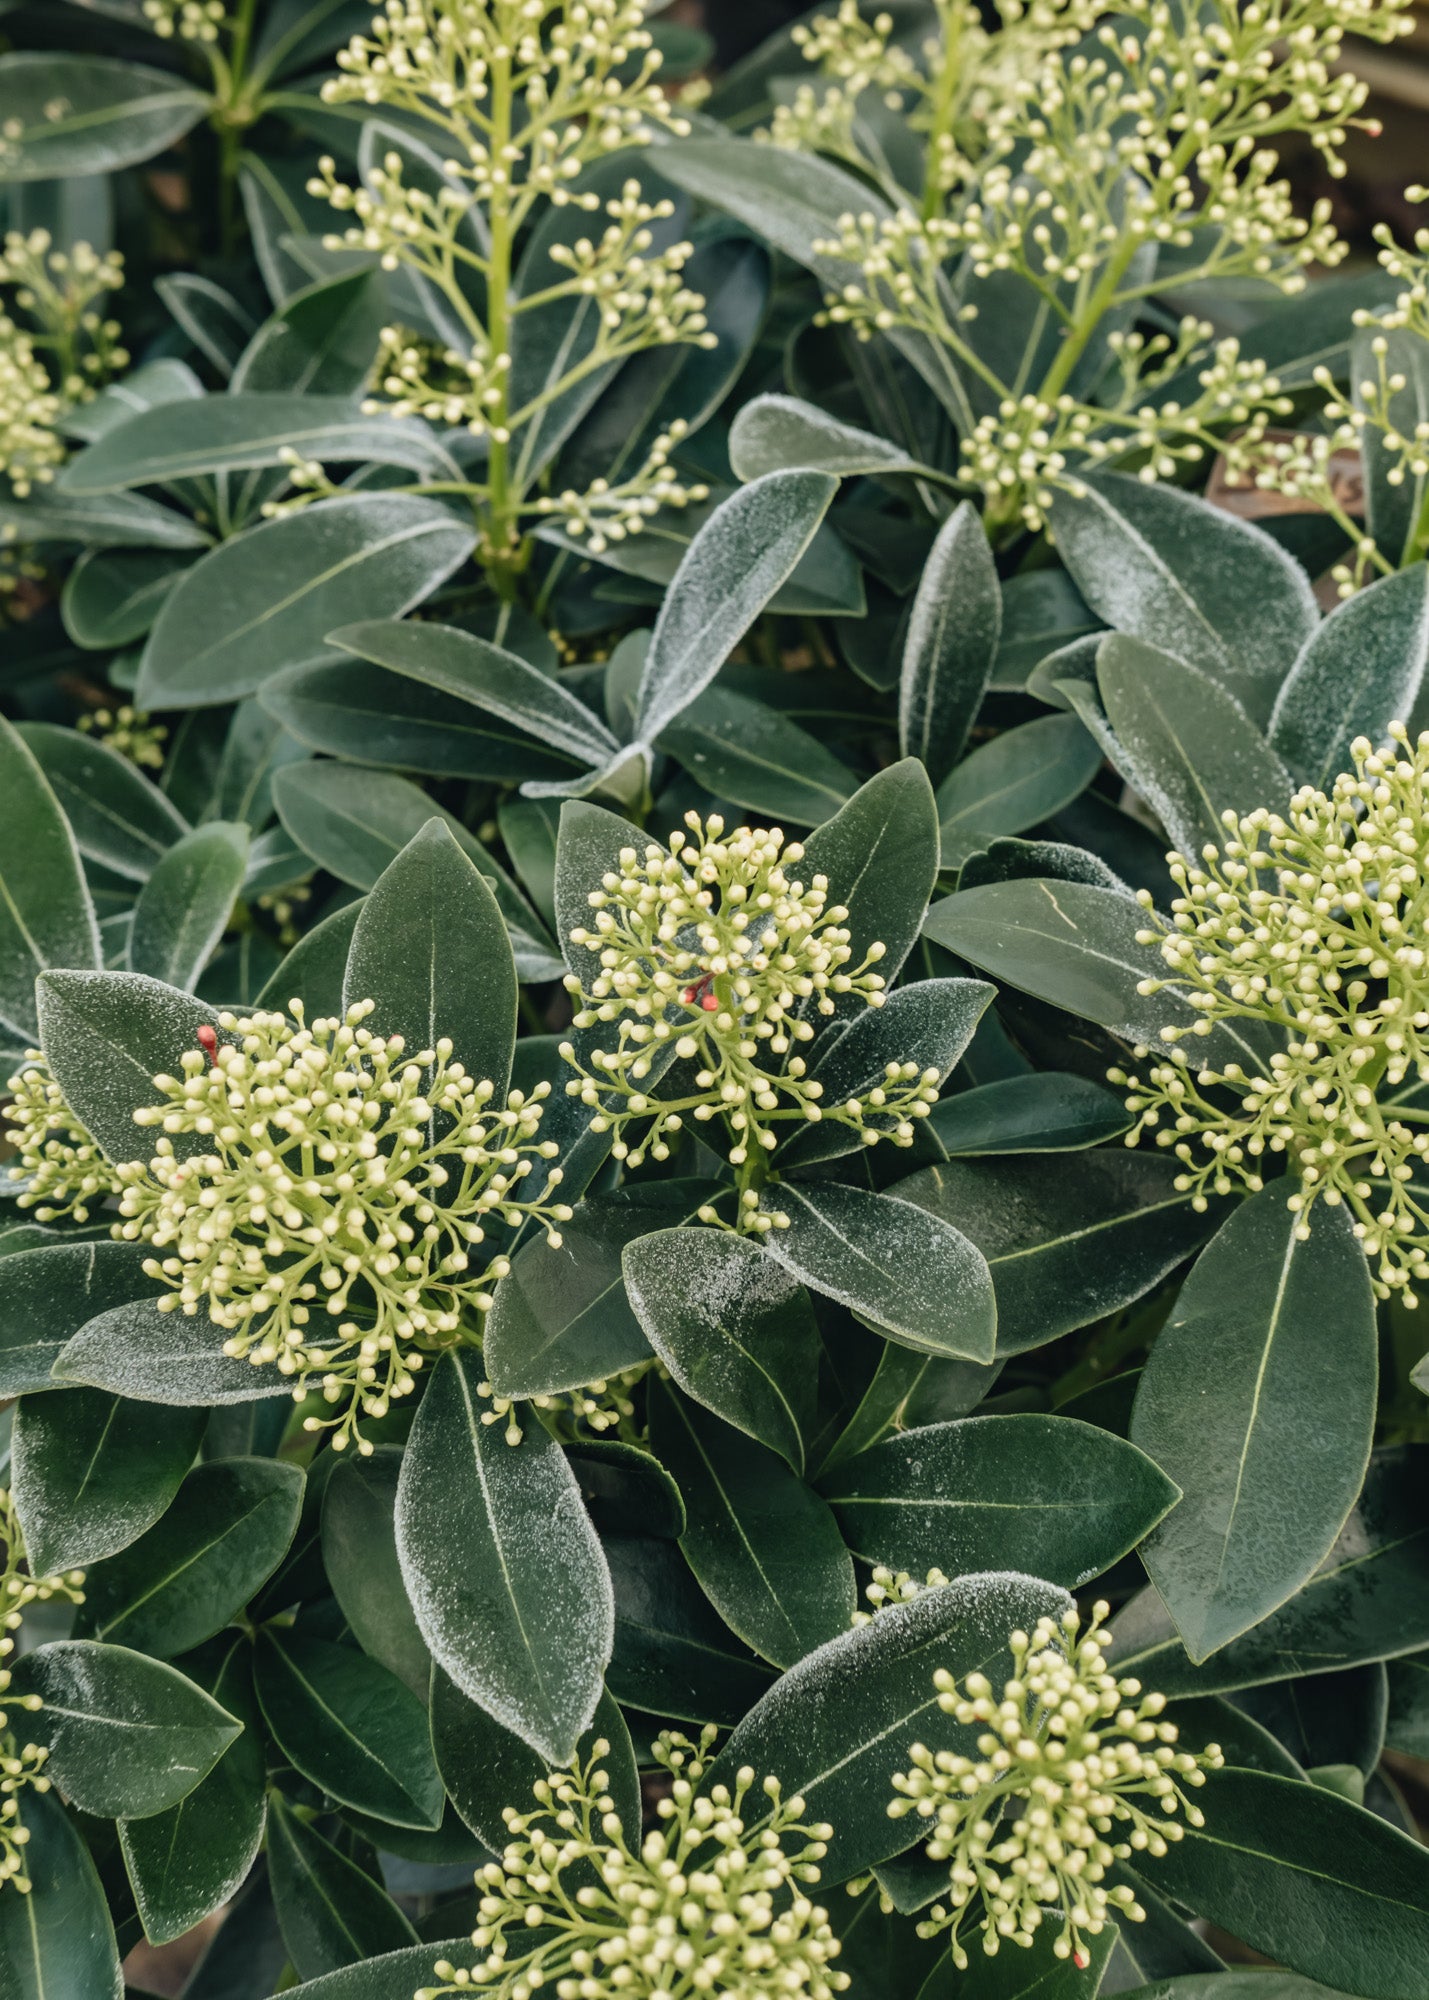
(714, 796)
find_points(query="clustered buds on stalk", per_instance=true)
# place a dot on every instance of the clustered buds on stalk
(1313, 926)
(712, 1900)
(21, 1764)
(1066, 1752)
(708, 952)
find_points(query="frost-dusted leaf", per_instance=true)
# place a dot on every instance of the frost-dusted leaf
(332, 1912)
(314, 969)
(738, 560)
(268, 598)
(320, 342)
(736, 1332)
(430, 947)
(1362, 669)
(112, 596)
(350, 1727)
(212, 318)
(91, 1471)
(240, 433)
(491, 678)
(120, 521)
(1074, 944)
(46, 916)
(835, 1726)
(880, 854)
(1394, 492)
(1185, 743)
(742, 750)
(127, 1735)
(1369, 1600)
(391, 1976)
(184, 907)
(107, 1035)
(501, 1564)
(779, 433)
(951, 645)
(84, 114)
(118, 816)
(915, 1276)
(764, 1547)
(136, 1350)
(1022, 776)
(1307, 1878)
(1018, 1489)
(1258, 1399)
(59, 1938)
(48, 1292)
(1169, 568)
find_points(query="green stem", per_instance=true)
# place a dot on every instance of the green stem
(944, 107)
(501, 513)
(233, 117)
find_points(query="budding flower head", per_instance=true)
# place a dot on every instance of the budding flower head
(713, 951)
(711, 1902)
(893, 1587)
(61, 1169)
(1310, 924)
(338, 1222)
(1062, 1761)
(21, 1764)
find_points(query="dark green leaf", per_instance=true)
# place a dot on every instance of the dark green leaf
(1022, 776)
(350, 1727)
(112, 596)
(136, 1350)
(107, 1035)
(503, 1569)
(1028, 1972)
(391, 1976)
(1407, 1725)
(627, 1491)
(127, 1736)
(674, 1655)
(764, 1547)
(1394, 492)
(91, 1472)
(1064, 1248)
(915, 1276)
(1011, 1492)
(1261, 1386)
(880, 854)
(836, 1726)
(220, 1541)
(269, 598)
(1187, 577)
(84, 114)
(776, 433)
(738, 560)
(314, 969)
(952, 640)
(749, 754)
(116, 815)
(211, 317)
(430, 947)
(46, 916)
(57, 1943)
(486, 1768)
(1307, 1878)
(359, 1544)
(733, 1329)
(1358, 672)
(332, 1914)
(1051, 1111)
(48, 1293)
(184, 907)
(321, 341)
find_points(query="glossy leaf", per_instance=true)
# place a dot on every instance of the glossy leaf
(49, 1292)
(58, 1940)
(764, 1547)
(126, 1735)
(503, 1569)
(733, 1329)
(107, 1035)
(184, 907)
(314, 969)
(1064, 1248)
(1050, 1111)
(430, 947)
(1167, 568)
(1022, 776)
(220, 1541)
(46, 916)
(1258, 1399)
(350, 1727)
(738, 560)
(83, 114)
(743, 751)
(880, 854)
(674, 1655)
(1018, 1491)
(835, 1725)
(332, 1914)
(1362, 669)
(136, 1350)
(390, 1975)
(359, 1548)
(91, 1472)
(268, 598)
(117, 816)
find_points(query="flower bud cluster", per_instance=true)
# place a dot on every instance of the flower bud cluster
(129, 732)
(1064, 1755)
(339, 1227)
(30, 448)
(893, 1587)
(21, 1764)
(605, 1408)
(68, 350)
(62, 1170)
(713, 1900)
(191, 20)
(1312, 924)
(607, 512)
(711, 949)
